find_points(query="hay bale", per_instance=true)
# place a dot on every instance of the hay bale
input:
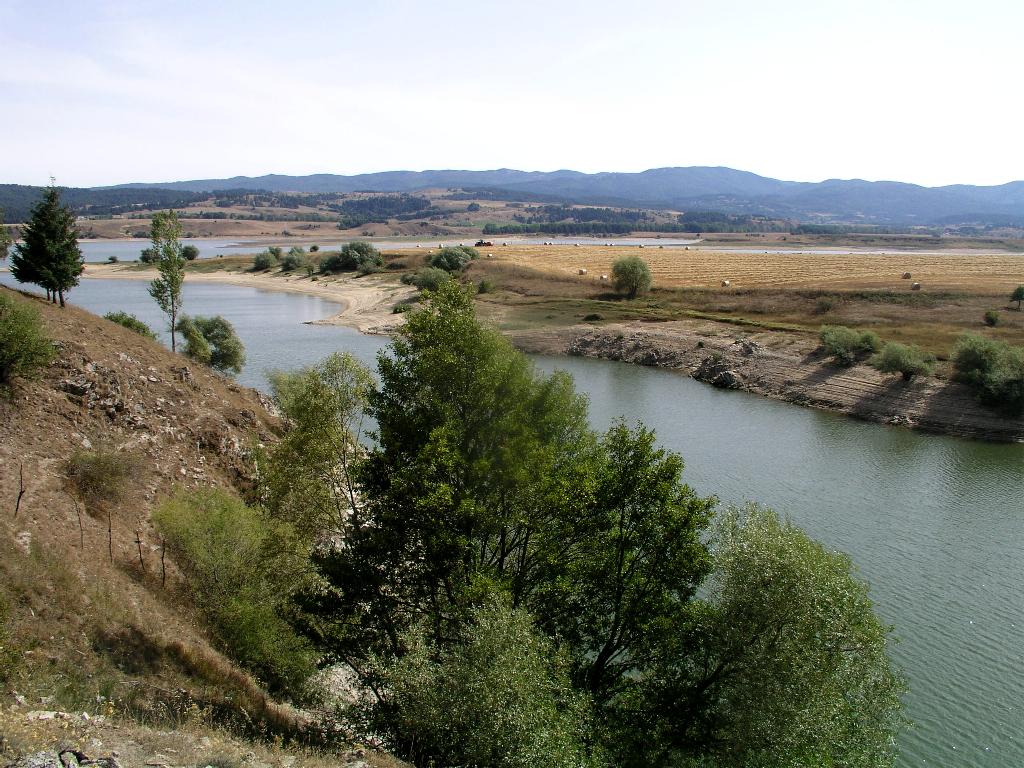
(604, 278)
(915, 287)
(726, 283)
(906, 275)
(583, 272)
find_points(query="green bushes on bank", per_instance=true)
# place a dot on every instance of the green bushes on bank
(905, 359)
(241, 570)
(24, 347)
(131, 322)
(847, 345)
(993, 368)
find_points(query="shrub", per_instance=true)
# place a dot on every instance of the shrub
(498, 696)
(131, 322)
(631, 276)
(427, 279)
(454, 258)
(991, 318)
(100, 477)
(241, 569)
(905, 359)
(824, 305)
(149, 255)
(484, 286)
(213, 342)
(294, 259)
(355, 256)
(994, 368)
(112, 259)
(263, 260)
(24, 347)
(190, 252)
(847, 345)
(1018, 295)
(314, 248)
(275, 252)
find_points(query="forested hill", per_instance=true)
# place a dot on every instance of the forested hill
(704, 188)
(723, 190)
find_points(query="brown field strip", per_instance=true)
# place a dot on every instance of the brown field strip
(983, 273)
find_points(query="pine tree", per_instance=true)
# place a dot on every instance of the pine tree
(166, 289)
(49, 255)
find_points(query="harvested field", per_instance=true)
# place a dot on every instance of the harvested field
(981, 273)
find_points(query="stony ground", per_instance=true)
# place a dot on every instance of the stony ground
(785, 367)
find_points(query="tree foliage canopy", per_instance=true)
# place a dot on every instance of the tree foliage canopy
(631, 276)
(453, 258)
(487, 527)
(212, 341)
(167, 252)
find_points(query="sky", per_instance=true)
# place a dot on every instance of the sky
(97, 93)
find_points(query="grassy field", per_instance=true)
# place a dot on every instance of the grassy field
(984, 273)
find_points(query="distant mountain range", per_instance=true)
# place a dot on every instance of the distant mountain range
(695, 188)
(836, 201)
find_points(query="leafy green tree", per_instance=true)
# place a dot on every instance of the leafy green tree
(309, 475)
(263, 260)
(631, 276)
(189, 252)
(166, 289)
(213, 342)
(132, 323)
(499, 695)
(905, 359)
(1018, 295)
(475, 452)
(453, 258)
(485, 483)
(49, 255)
(24, 347)
(791, 667)
(294, 259)
(355, 256)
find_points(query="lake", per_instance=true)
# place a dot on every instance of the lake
(935, 524)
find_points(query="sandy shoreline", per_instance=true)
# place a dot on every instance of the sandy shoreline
(366, 302)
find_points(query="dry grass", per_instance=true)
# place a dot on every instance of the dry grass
(981, 273)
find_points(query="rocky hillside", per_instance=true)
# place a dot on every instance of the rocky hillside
(93, 619)
(785, 367)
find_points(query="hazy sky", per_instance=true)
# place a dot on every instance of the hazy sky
(107, 92)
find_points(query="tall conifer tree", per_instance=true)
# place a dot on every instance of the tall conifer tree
(49, 255)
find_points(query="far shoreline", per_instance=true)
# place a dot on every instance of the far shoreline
(774, 365)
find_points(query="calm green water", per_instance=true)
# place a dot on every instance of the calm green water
(935, 524)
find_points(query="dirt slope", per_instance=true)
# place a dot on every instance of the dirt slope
(87, 622)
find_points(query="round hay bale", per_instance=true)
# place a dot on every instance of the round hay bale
(583, 272)
(726, 283)
(604, 278)
(906, 276)
(915, 287)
